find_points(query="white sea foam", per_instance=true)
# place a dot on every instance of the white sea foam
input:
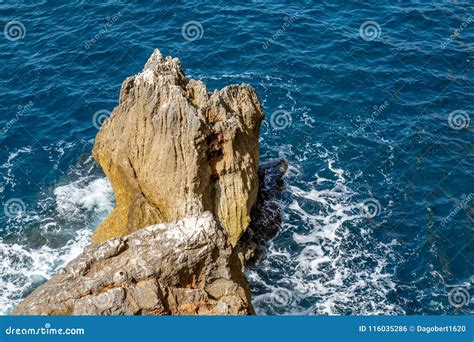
(75, 198)
(325, 256)
(8, 177)
(22, 268)
(72, 213)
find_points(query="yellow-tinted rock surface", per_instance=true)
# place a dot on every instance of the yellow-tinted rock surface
(172, 150)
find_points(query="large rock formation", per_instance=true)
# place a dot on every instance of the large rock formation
(178, 154)
(185, 267)
(172, 150)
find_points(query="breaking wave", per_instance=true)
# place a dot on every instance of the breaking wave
(36, 243)
(325, 259)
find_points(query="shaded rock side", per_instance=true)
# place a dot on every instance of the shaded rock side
(266, 213)
(171, 150)
(180, 268)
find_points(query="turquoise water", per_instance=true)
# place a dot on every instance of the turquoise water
(371, 105)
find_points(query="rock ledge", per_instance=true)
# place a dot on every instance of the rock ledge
(180, 268)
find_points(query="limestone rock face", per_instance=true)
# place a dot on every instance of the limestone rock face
(180, 268)
(172, 150)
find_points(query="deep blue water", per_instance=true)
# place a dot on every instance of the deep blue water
(376, 125)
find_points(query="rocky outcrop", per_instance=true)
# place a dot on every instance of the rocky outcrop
(183, 166)
(180, 268)
(172, 150)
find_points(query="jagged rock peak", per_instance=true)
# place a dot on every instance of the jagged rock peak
(162, 69)
(172, 150)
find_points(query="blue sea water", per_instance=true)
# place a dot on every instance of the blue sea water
(371, 104)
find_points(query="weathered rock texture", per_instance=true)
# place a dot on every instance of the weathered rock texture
(180, 268)
(172, 150)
